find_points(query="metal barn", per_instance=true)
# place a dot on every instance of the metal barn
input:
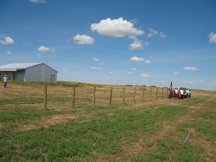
(29, 72)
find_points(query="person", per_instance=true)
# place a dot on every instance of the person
(5, 80)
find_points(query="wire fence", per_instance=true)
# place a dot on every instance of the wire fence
(49, 96)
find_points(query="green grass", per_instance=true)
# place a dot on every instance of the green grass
(22, 113)
(20, 100)
(204, 129)
(203, 123)
(174, 151)
(83, 141)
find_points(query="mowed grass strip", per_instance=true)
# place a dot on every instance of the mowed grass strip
(79, 141)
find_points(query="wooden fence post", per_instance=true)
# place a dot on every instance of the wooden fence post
(123, 101)
(45, 96)
(143, 97)
(111, 91)
(94, 95)
(134, 95)
(156, 93)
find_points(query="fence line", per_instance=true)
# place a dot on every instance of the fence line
(49, 96)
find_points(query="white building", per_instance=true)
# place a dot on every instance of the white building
(29, 72)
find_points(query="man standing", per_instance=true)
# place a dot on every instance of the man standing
(5, 80)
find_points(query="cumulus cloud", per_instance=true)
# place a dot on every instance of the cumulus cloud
(96, 68)
(140, 59)
(38, 1)
(145, 75)
(6, 40)
(83, 39)
(152, 32)
(136, 45)
(135, 58)
(43, 49)
(116, 28)
(191, 68)
(212, 37)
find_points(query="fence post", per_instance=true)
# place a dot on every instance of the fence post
(45, 96)
(94, 95)
(111, 91)
(74, 97)
(156, 93)
(134, 95)
(123, 101)
(143, 97)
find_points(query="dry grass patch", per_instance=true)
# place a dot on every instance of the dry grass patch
(47, 121)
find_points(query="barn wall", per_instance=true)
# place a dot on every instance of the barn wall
(20, 75)
(40, 72)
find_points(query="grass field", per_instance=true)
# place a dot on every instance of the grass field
(152, 131)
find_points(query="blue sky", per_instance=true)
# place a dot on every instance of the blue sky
(142, 42)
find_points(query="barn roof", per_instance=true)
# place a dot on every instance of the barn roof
(17, 66)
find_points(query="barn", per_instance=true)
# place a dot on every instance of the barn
(29, 72)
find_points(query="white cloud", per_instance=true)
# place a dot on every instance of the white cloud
(83, 39)
(191, 68)
(116, 28)
(133, 68)
(135, 58)
(162, 35)
(147, 61)
(136, 45)
(129, 72)
(96, 68)
(43, 49)
(38, 1)
(145, 75)
(6, 40)
(152, 32)
(212, 37)
(140, 59)
(110, 73)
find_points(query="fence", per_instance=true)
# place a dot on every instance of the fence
(48, 96)
(95, 96)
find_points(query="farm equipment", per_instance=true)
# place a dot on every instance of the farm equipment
(180, 92)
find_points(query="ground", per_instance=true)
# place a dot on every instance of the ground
(153, 130)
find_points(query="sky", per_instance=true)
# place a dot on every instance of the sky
(135, 42)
